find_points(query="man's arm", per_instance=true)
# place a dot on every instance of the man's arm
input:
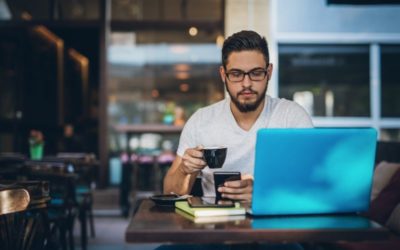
(183, 172)
(176, 181)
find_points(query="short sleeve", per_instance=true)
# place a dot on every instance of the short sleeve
(297, 117)
(188, 138)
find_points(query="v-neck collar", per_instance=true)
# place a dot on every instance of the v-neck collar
(260, 122)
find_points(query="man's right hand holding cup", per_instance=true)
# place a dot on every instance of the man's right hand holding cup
(192, 160)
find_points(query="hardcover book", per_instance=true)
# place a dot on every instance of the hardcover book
(211, 219)
(214, 211)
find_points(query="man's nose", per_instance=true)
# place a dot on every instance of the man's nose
(246, 81)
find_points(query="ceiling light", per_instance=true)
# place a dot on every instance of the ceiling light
(220, 40)
(193, 31)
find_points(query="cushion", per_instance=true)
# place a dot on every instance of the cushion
(393, 222)
(383, 173)
(383, 205)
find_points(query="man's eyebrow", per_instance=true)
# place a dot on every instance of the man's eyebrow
(234, 69)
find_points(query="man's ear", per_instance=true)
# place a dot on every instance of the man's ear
(269, 70)
(222, 73)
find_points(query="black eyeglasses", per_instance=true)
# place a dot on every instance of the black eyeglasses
(257, 74)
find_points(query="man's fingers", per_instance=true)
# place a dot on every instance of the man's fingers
(242, 197)
(196, 152)
(237, 184)
(192, 165)
(227, 190)
(237, 190)
(234, 190)
(193, 161)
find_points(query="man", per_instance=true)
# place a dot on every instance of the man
(71, 142)
(233, 122)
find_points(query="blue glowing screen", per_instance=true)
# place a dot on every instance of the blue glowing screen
(313, 171)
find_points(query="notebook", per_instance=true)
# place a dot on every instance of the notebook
(313, 171)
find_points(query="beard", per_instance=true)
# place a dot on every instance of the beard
(247, 106)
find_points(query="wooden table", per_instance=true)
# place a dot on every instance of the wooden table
(157, 224)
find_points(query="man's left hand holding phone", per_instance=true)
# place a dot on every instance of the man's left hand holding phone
(240, 189)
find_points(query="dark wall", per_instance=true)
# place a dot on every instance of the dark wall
(32, 96)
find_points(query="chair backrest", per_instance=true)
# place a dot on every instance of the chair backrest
(13, 200)
(22, 226)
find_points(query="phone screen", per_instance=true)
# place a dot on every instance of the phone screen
(220, 177)
(209, 202)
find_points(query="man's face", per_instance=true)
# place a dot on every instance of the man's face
(247, 94)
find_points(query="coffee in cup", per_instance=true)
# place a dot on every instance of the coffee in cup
(214, 156)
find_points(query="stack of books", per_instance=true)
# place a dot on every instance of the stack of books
(212, 214)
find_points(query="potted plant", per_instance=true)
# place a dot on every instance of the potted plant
(36, 144)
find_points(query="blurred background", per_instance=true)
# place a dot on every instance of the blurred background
(118, 79)
(106, 67)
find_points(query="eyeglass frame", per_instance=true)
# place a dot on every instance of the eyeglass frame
(265, 70)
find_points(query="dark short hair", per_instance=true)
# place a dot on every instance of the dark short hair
(244, 40)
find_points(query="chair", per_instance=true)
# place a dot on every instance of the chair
(85, 167)
(128, 167)
(22, 227)
(81, 167)
(62, 208)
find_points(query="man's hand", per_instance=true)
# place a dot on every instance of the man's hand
(238, 190)
(192, 160)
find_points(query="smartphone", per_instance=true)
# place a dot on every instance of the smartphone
(220, 177)
(203, 202)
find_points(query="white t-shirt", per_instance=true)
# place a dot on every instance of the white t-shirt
(215, 125)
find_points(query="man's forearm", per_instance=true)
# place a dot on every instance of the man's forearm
(176, 181)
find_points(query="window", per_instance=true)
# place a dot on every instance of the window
(328, 80)
(167, 10)
(155, 82)
(390, 76)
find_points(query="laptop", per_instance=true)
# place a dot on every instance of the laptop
(313, 171)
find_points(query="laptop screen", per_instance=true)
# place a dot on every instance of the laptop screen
(313, 171)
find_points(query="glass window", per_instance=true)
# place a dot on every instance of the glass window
(49, 9)
(157, 78)
(79, 10)
(390, 80)
(24, 9)
(327, 80)
(308, 16)
(171, 10)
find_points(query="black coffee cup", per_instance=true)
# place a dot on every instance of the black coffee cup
(214, 156)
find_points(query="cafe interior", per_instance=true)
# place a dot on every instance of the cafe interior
(95, 93)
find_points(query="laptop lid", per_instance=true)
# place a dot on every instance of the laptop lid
(313, 171)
